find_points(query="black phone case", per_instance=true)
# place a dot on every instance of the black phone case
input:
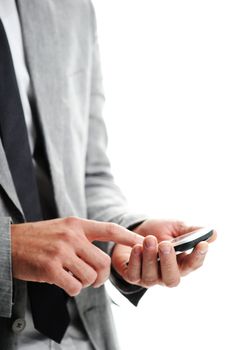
(190, 245)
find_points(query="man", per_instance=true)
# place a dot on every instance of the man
(57, 194)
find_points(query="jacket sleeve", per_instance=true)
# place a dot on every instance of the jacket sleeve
(6, 285)
(105, 201)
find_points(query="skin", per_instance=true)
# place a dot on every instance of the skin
(144, 269)
(61, 252)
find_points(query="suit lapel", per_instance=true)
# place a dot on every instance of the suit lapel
(39, 30)
(6, 179)
(39, 20)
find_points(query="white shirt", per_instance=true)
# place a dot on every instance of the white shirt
(75, 337)
(11, 23)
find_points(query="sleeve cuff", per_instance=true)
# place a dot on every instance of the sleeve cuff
(132, 292)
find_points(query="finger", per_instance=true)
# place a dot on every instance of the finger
(69, 283)
(91, 254)
(168, 264)
(135, 264)
(191, 262)
(95, 258)
(181, 228)
(106, 231)
(150, 273)
(103, 273)
(213, 237)
(82, 271)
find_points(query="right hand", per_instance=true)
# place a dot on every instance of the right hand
(61, 252)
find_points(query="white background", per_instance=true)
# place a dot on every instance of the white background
(173, 76)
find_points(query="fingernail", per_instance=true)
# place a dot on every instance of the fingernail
(165, 249)
(150, 243)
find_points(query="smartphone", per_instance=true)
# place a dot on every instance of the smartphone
(190, 240)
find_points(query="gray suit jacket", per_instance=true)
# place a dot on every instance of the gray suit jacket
(63, 60)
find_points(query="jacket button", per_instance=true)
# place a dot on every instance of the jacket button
(18, 325)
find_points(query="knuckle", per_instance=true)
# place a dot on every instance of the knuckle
(93, 277)
(56, 251)
(66, 235)
(113, 229)
(66, 239)
(89, 279)
(100, 280)
(102, 269)
(105, 262)
(71, 221)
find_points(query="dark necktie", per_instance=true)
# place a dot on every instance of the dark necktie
(48, 302)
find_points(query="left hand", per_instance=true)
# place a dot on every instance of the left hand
(143, 268)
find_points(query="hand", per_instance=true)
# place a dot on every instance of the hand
(60, 251)
(144, 269)
(166, 229)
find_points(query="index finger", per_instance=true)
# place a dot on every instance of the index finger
(106, 231)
